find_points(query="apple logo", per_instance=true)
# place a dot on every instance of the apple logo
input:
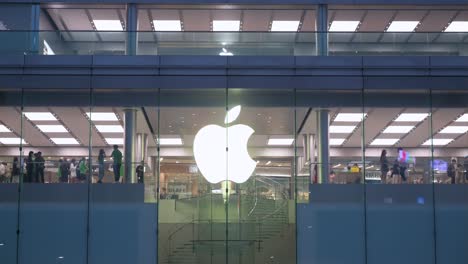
(215, 162)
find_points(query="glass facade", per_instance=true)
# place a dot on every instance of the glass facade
(312, 179)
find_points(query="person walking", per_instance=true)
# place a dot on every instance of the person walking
(384, 168)
(101, 157)
(40, 166)
(29, 167)
(117, 158)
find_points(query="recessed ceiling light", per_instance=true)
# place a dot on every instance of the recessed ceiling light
(110, 128)
(115, 141)
(280, 141)
(52, 128)
(108, 25)
(438, 141)
(336, 141)
(64, 141)
(268, 162)
(167, 25)
(12, 141)
(226, 25)
(411, 117)
(4, 129)
(457, 26)
(40, 116)
(384, 141)
(170, 141)
(397, 129)
(290, 26)
(454, 130)
(101, 116)
(402, 26)
(463, 118)
(341, 129)
(350, 117)
(344, 26)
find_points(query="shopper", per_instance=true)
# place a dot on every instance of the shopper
(465, 165)
(29, 161)
(101, 157)
(383, 166)
(355, 168)
(460, 174)
(140, 172)
(73, 171)
(15, 170)
(395, 175)
(402, 163)
(117, 158)
(40, 166)
(65, 171)
(83, 169)
(3, 172)
(451, 170)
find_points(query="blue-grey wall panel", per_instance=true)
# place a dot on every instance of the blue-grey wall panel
(124, 82)
(192, 82)
(9, 221)
(56, 82)
(331, 82)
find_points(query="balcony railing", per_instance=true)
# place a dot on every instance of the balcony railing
(231, 43)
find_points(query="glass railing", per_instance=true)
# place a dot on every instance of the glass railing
(231, 43)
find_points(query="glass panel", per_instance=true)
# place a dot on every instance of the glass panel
(53, 214)
(332, 163)
(192, 208)
(398, 162)
(10, 172)
(261, 161)
(123, 183)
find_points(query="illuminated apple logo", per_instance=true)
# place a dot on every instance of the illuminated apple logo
(216, 163)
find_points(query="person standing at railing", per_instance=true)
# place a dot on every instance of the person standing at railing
(29, 161)
(73, 171)
(15, 171)
(117, 158)
(39, 166)
(384, 168)
(101, 157)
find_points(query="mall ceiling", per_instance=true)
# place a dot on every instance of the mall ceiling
(345, 130)
(253, 18)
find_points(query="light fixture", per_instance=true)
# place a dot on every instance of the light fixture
(437, 141)
(114, 141)
(280, 141)
(40, 116)
(454, 130)
(110, 128)
(226, 25)
(341, 129)
(350, 117)
(397, 129)
(108, 25)
(343, 26)
(12, 141)
(463, 118)
(47, 49)
(102, 116)
(402, 26)
(384, 141)
(170, 141)
(457, 26)
(52, 128)
(337, 165)
(4, 129)
(281, 25)
(225, 52)
(268, 162)
(167, 25)
(65, 141)
(411, 117)
(336, 141)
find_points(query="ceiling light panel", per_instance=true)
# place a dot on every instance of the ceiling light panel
(115, 141)
(463, 118)
(52, 128)
(397, 129)
(12, 141)
(344, 26)
(170, 141)
(65, 141)
(411, 117)
(108, 25)
(280, 141)
(341, 129)
(226, 25)
(336, 141)
(402, 26)
(457, 26)
(102, 116)
(110, 128)
(4, 129)
(384, 141)
(40, 116)
(285, 26)
(437, 141)
(167, 25)
(454, 130)
(349, 117)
